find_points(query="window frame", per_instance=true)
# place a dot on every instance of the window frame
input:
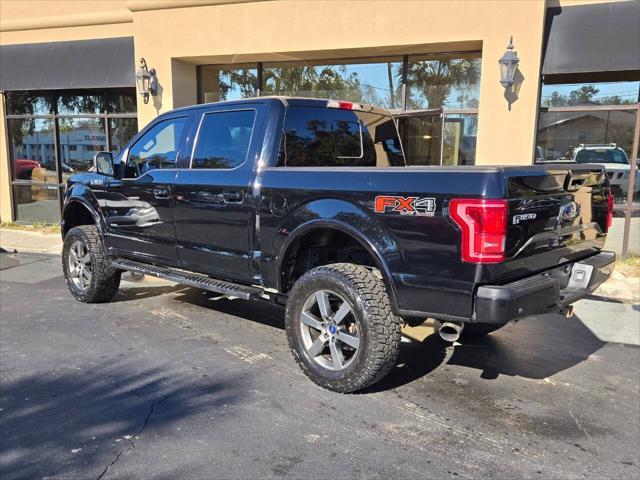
(197, 137)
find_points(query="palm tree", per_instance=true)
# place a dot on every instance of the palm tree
(434, 80)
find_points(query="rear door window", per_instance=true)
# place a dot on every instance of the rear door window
(223, 139)
(327, 137)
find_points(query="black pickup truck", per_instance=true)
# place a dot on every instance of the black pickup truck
(313, 204)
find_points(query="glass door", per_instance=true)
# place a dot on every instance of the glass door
(421, 133)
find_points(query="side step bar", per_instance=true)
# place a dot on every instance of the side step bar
(188, 278)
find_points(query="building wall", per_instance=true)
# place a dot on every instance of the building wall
(175, 36)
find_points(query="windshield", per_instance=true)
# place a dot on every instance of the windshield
(611, 155)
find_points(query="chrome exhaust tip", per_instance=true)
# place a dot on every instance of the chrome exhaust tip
(449, 331)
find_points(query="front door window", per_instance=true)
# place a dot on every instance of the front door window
(157, 148)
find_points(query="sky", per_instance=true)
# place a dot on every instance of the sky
(625, 90)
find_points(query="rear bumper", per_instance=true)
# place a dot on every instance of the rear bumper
(551, 291)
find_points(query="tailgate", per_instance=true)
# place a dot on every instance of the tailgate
(556, 214)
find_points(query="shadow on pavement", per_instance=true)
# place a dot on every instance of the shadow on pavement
(255, 311)
(535, 348)
(93, 416)
(138, 293)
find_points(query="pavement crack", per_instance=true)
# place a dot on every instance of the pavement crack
(132, 440)
(584, 430)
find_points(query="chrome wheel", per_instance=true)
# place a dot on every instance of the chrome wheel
(329, 329)
(79, 265)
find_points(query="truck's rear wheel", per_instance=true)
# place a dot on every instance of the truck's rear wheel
(87, 270)
(340, 327)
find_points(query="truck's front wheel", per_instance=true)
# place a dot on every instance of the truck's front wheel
(340, 327)
(87, 270)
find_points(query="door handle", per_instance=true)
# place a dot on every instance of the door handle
(161, 192)
(232, 197)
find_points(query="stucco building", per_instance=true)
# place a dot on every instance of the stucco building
(67, 74)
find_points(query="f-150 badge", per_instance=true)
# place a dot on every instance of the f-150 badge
(421, 206)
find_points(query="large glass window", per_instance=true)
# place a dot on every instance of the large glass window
(323, 137)
(121, 130)
(443, 81)
(220, 83)
(561, 133)
(422, 138)
(375, 81)
(595, 123)
(80, 139)
(33, 146)
(442, 90)
(27, 103)
(459, 139)
(37, 202)
(223, 139)
(55, 134)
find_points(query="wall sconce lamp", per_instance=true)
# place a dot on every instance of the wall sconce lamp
(508, 66)
(146, 81)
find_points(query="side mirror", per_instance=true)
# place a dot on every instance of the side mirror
(103, 163)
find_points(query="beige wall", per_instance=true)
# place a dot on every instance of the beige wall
(175, 36)
(320, 29)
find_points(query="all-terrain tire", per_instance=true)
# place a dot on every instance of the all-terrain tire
(378, 328)
(105, 280)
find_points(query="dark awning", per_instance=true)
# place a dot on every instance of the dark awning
(61, 65)
(601, 39)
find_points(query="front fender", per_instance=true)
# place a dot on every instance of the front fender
(347, 218)
(79, 194)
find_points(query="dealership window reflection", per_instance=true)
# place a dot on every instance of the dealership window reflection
(55, 134)
(443, 91)
(80, 139)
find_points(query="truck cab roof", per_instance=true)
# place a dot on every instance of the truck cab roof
(292, 101)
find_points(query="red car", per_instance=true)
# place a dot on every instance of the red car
(24, 167)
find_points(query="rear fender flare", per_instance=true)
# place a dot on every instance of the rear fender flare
(346, 218)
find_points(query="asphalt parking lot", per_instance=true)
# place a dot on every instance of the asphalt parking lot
(167, 382)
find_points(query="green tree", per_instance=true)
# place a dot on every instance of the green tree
(556, 99)
(583, 95)
(433, 80)
(615, 100)
(242, 78)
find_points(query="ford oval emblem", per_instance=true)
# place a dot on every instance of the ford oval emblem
(569, 211)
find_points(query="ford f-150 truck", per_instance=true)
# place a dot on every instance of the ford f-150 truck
(313, 204)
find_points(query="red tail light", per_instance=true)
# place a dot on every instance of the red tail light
(609, 211)
(484, 228)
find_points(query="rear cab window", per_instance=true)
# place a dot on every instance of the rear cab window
(331, 137)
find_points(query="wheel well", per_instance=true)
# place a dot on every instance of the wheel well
(75, 215)
(321, 246)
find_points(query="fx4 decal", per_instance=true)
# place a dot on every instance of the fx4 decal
(422, 206)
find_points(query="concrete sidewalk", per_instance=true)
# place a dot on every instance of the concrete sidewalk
(618, 287)
(25, 241)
